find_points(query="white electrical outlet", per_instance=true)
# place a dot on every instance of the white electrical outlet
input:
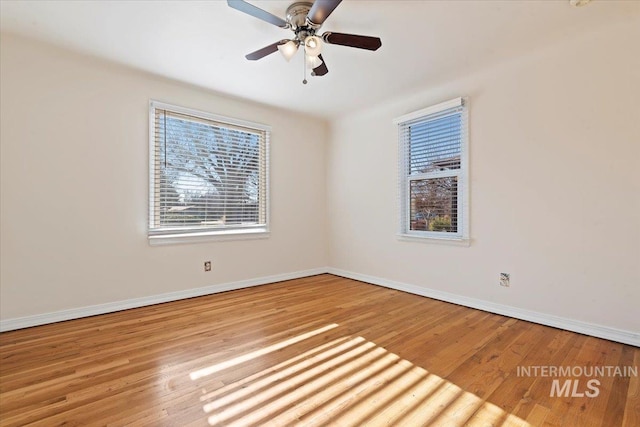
(505, 280)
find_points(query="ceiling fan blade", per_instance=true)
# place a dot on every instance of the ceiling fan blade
(321, 10)
(352, 40)
(267, 50)
(256, 12)
(321, 69)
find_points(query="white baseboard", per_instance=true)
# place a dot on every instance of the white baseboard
(77, 313)
(618, 335)
(613, 334)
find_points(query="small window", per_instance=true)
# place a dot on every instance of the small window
(433, 172)
(208, 176)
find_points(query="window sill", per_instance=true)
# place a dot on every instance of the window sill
(452, 241)
(208, 236)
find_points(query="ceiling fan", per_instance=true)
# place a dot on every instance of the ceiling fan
(305, 19)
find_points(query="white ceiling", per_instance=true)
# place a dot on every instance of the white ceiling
(204, 42)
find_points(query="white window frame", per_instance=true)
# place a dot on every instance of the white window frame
(159, 236)
(405, 179)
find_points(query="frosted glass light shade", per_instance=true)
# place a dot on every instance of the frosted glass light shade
(313, 45)
(288, 49)
(313, 61)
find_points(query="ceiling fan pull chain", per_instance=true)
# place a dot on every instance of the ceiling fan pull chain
(304, 68)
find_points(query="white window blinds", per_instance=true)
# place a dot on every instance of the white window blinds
(208, 174)
(433, 171)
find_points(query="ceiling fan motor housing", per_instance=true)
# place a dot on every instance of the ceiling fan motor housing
(298, 22)
(297, 14)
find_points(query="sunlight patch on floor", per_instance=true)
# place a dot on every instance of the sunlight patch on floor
(255, 354)
(345, 381)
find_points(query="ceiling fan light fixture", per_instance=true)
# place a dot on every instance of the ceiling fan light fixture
(313, 45)
(288, 49)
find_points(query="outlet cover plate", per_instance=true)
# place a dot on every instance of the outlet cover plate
(505, 280)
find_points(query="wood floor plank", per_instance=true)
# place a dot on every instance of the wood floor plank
(632, 405)
(316, 351)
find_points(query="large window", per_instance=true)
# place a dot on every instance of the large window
(433, 172)
(208, 175)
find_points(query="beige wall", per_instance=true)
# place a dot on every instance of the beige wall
(74, 150)
(555, 185)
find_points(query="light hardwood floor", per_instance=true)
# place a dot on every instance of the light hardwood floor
(322, 350)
